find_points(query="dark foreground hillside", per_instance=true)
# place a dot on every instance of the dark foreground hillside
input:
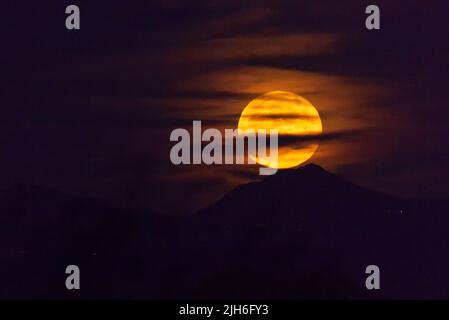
(299, 234)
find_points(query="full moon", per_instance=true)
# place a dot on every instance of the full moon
(296, 119)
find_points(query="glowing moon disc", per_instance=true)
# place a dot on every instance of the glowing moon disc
(296, 119)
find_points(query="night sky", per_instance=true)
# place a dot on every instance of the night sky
(90, 112)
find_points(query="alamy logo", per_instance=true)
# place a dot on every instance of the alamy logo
(372, 22)
(191, 151)
(73, 280)
(373, 280)
(73, 20)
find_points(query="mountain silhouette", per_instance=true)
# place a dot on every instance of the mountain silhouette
(291, 193)
(318, 233)
(299, 234)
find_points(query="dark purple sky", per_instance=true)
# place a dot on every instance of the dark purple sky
(90, 111)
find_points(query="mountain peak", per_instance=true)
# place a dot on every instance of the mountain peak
(309, 171)
(312, 167)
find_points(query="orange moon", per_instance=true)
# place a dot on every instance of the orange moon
(293, 116)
